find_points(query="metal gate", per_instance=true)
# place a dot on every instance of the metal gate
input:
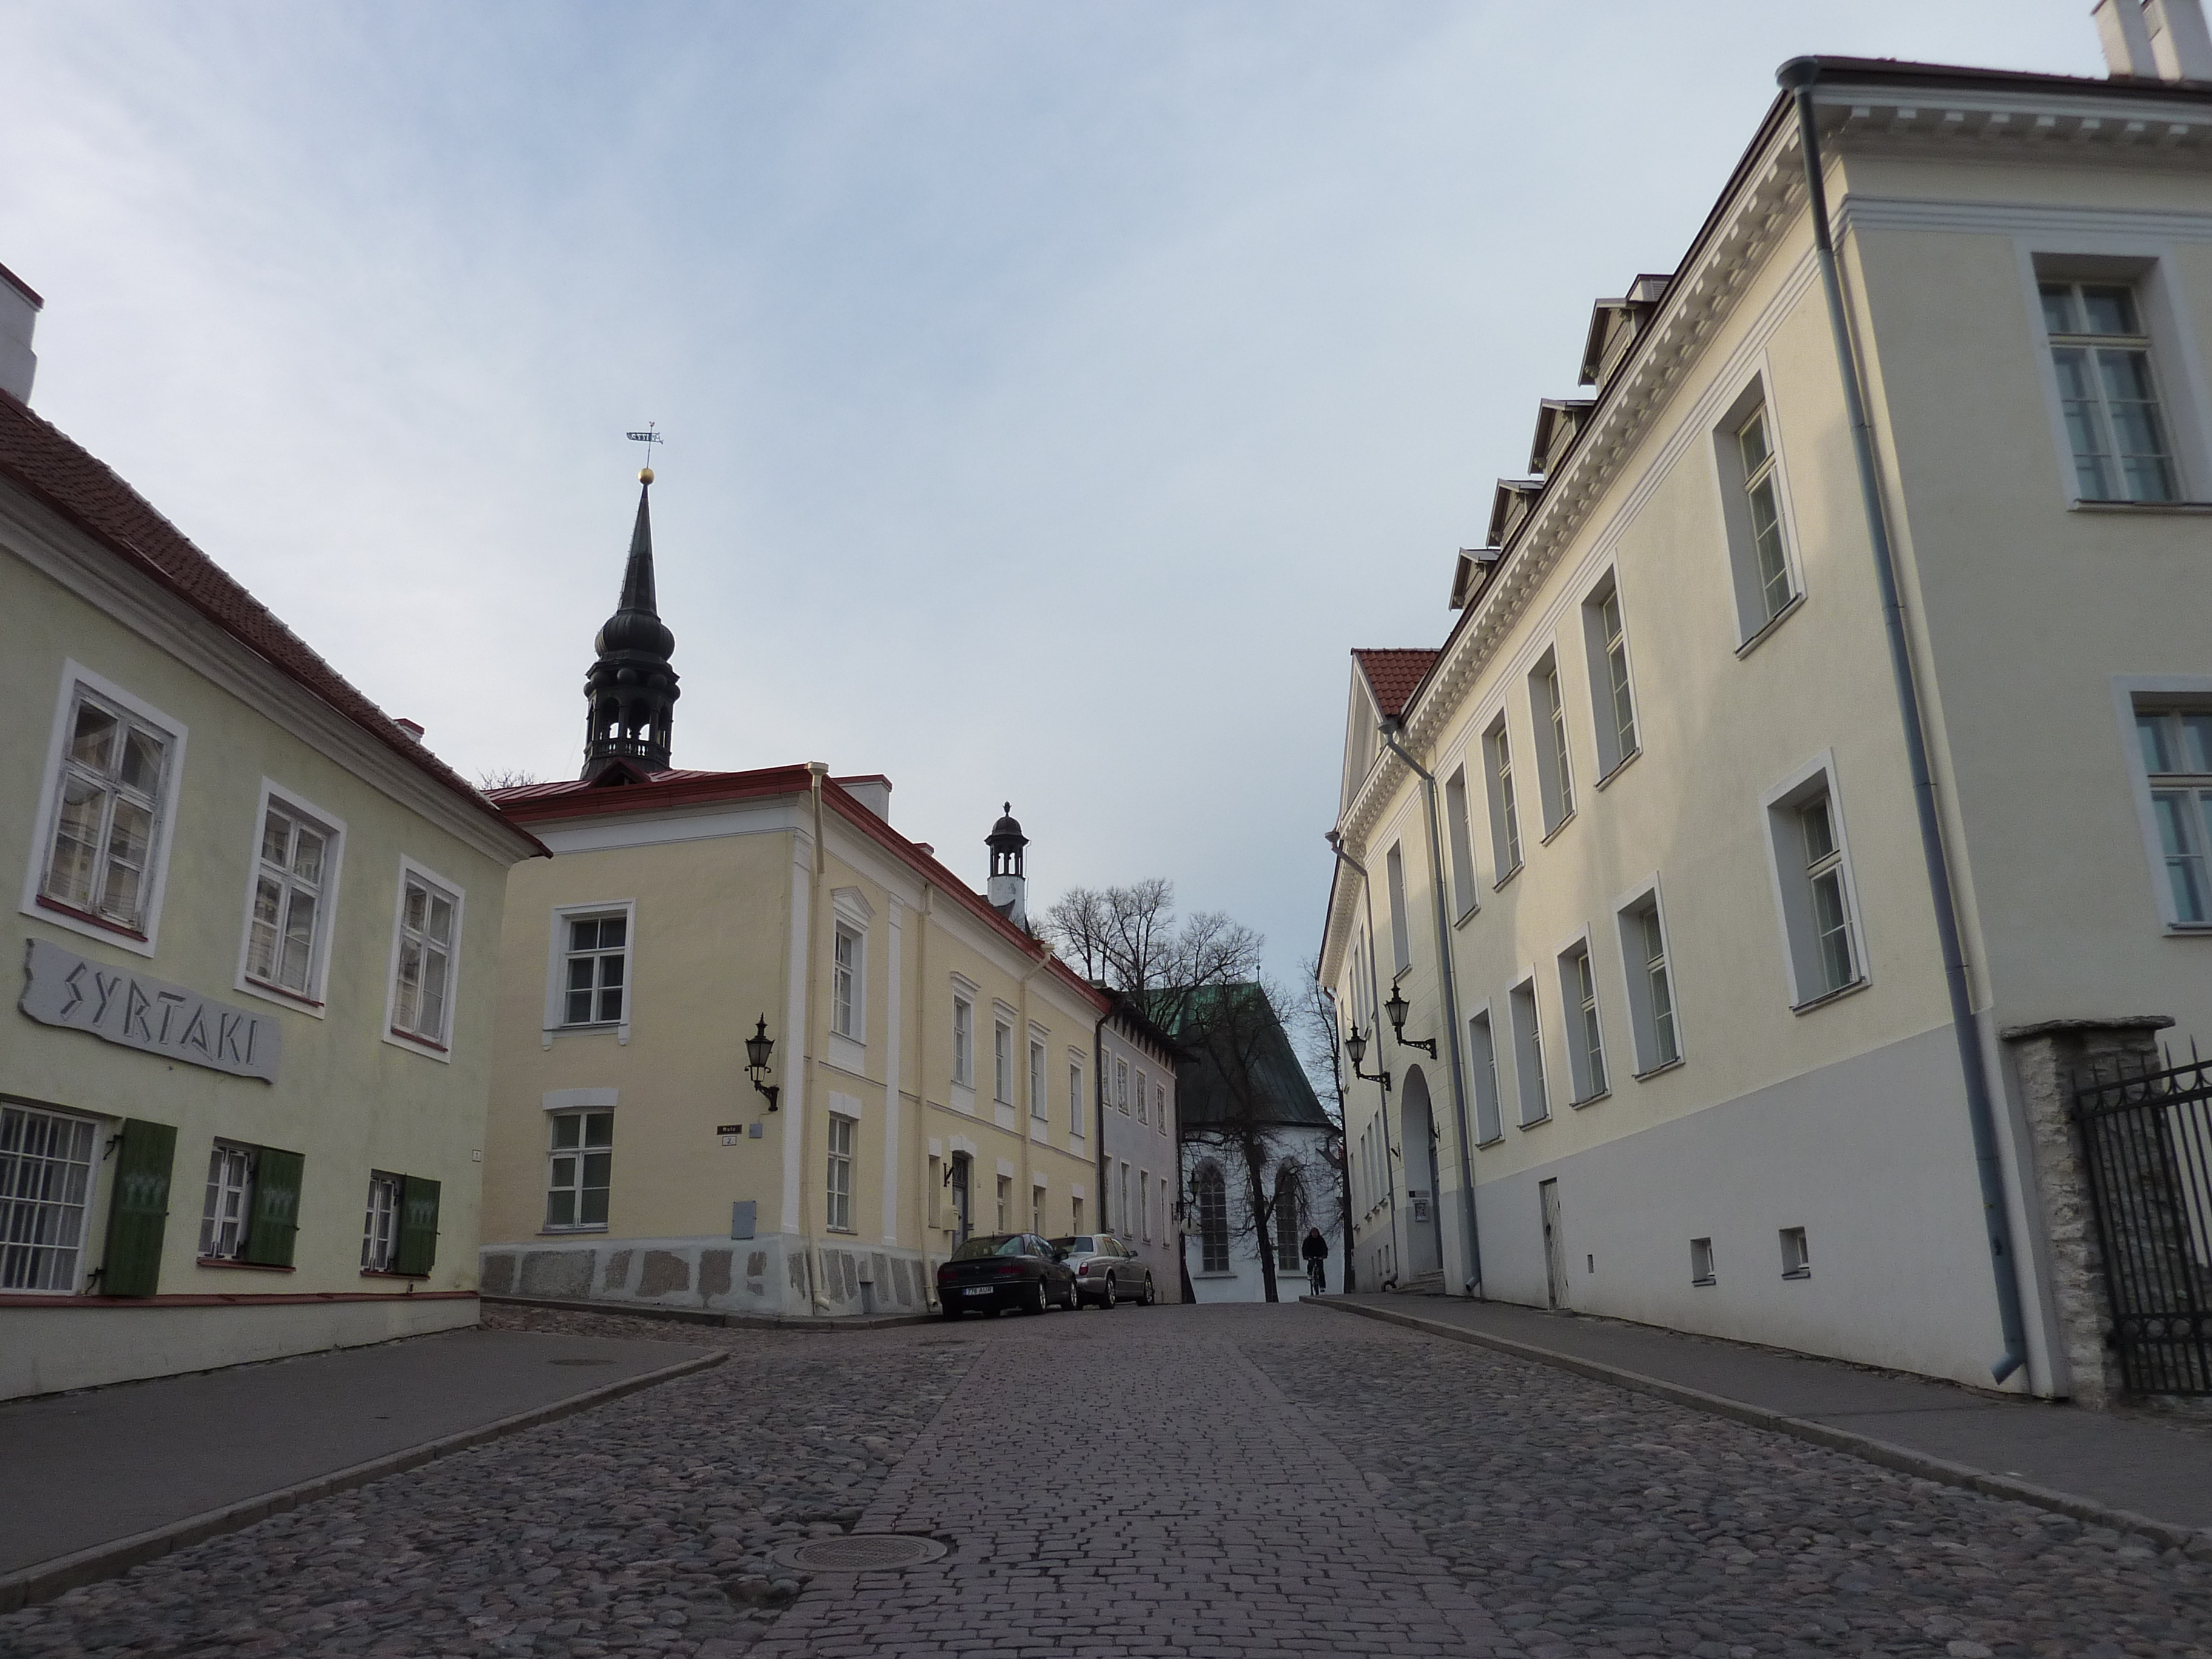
(2146, 1128)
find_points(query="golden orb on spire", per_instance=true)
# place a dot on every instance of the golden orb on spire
(645, 475)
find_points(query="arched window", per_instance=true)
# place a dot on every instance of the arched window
(1289, 1216)
(1213, 1197)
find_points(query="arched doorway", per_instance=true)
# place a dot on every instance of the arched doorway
(1417, 1141)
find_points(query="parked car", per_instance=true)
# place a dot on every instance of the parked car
(997, 1271)
(1107, 1271)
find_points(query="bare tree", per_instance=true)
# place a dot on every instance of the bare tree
(1235, 1033)
(503, 777)
(1321, 1049)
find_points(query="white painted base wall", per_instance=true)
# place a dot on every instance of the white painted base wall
(764, 1275)
(51, 1350)
(1872, 1156)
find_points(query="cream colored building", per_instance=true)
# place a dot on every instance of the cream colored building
(932, 1065)
(1666, 910)
(242, 1084)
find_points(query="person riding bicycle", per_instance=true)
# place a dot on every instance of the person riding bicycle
(1315, 1249)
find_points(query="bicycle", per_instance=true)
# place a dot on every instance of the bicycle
(1316, 1273)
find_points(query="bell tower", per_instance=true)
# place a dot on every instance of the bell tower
(1009, 891)
(631, 688)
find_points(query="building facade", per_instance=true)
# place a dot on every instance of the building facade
(242, 1087)
(760, 1053)
(1639, 849)
(1139, 1200)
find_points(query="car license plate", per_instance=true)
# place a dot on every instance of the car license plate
(978, 1290)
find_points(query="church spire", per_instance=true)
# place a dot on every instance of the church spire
(631, 688)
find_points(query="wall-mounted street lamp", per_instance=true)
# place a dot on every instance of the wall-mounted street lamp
(1398, 1008)
(1355, 1044)
(759, 1047)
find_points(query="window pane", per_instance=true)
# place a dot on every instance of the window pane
(2058, 309)
(611, 929)
(564, 1171)
(1766, 541)
(2109, 310)
(560, 1209)
(567, 1129)
(276, 837)
(299, 942)
(1752, 440)
(599, 1129)
(611, 970)
(2196, 743)
(2153, 733)
(580, 973)
(1829, 918)
(130, 839)
(597, 1168)
(583, 935)
(610, 1005)
(2179, 831)
(441, 927)
(307, 855)
(77, 842)
(141, 761)
(94, 740)
(1820, 836)
(411, 913)
(2137, 429)
(579, 1008)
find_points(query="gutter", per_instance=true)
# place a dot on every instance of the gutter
(1375, 996)
(1797, 78)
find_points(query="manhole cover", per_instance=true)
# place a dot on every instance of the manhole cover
(867, 1551)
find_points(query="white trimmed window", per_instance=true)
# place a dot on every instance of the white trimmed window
(1650, 984)
(226, 1214)
(1528, 1054)
(1160, 1108)
(1039, 1107)
(1504, 808)
(2100, 352)
(963, 1041)
(1585, 1034)
(1002, 1062)
(422, 973)
(1401, 944)
(580, 1171)
(1143, 1088)
(1482, 1063)
(838, 1213)
(379, 1231)
(848, 969)
(1555, 773)
(1121, 1087)
(1754, 513)
(1006, 1203)
(2175, 745)
(1605, 637)
(110, 794)
(295, 892)
(1820, 908)
(1036, 1208)
(1462, 845)
(595, 970)
(47, 1164)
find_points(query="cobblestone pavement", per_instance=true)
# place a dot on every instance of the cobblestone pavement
(1170, 1481)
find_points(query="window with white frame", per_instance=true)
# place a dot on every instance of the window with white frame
(848, 969)
(1039, 1107)
(1121, 1087)
(1462, 846)
(1505, 809)
(379, 1231)
(838, 1212)
(422, 975)
(226, 1214)
(1650, 984)
(1143, 1089)
(1585, 1035)
(2176, 747)
(1002, 1062)
(2100, 352)
(1401, 944)
(1210, 1204)
(1006, 1203)
(1160, 1108)
(1482, 1065)
(1075, 1215)
(1701, 1262)
(1606, 637)
(1796, 1253)
(1528, 1054)
(581, 1170)
(1555, 773)
(107, 802)
(1075, 1100)
(1752, 512)
(963, 1041)
(1036, 1208)
(1122, 1223)
(1145, 1204)
(1819, 909)
(47, 1164)
(289, 922)
(595, 970)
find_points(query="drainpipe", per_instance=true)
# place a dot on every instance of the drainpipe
(928, 909)
(1473, 1286)
(1797, 78)
(1375, 999)
(1099, 1093)
(816, 770)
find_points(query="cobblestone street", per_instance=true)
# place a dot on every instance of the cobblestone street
(1201, 1481)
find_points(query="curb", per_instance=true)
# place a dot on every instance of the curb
(710, 1316)
(44, 1580)
(1889, 1454)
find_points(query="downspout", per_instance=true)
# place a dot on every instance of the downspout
(1473, 1286)
(1098, 1078)
(923, 1210)
(1375, 998)
(816, 770)
(1797, 78)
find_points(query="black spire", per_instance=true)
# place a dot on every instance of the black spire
(631, 688)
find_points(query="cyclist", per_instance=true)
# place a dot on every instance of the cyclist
(1315, 1249)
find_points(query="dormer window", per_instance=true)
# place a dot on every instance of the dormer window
(1559, 422)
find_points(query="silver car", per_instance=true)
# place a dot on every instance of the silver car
(1107, 1271)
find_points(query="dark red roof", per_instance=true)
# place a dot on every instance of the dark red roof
(61, 477)
(575, 797)
(1393, 674)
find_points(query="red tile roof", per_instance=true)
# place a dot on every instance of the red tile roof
(61, 477)
(548, 803)
(1392, 674)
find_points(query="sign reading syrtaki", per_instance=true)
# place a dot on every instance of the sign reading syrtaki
(118, 1005)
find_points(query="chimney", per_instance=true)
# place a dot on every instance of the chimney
(19, 313)
(2155, 40)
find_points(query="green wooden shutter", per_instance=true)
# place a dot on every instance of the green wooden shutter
(419, 1226)
(275, 1223)
(138, 1209)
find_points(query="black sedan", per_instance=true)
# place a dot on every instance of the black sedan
(1004, 1270)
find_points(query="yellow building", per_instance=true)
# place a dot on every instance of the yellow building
(242, 1086)
(928, 1065)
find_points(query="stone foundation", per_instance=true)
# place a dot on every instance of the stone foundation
(773, 1274)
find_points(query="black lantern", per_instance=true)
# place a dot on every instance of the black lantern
(759, 1047)
(1355, 1044)
(1398, 1008)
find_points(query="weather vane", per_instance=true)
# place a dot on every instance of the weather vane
(648, 436)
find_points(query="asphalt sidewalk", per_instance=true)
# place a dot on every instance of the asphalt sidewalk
(2126, 1469)
(124, 1474)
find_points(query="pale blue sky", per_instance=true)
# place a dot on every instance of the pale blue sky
(1055, 389)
